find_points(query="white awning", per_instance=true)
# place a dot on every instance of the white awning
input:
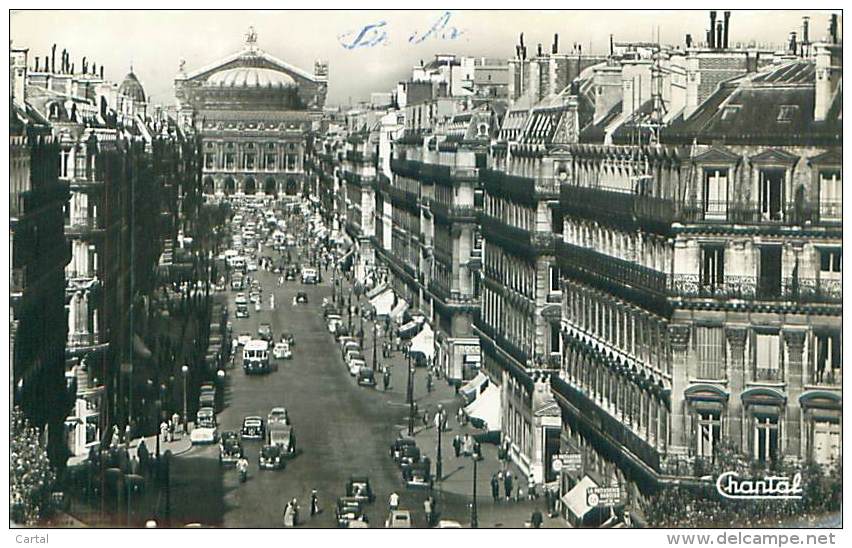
(486, 408)
(471, 389)
(400, 307)
(409, 329)
(378, 290)
(424, 342)
(383, 302)
(575, 499)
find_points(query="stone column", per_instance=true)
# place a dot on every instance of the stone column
(679, 341)
(736, 383)
(793, 376)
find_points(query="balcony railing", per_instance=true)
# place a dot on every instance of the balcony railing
(751, 212)
(802, 290)
(588, 263)
(827, 377)
(82, 339)
(525, 189)
(768, 374)
(617, 204)
(83, 225)
(453, 212)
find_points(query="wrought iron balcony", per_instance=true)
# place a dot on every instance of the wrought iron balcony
(827, 377)
(589, 265)
(82, 339)
(751, 288)
(615, 204)
(751, 212)
(524, 189)
(449, 213)
(768, 374)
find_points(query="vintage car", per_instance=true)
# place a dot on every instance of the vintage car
(281, 351)
(291, 273)
(264, 331)
(288, 338)
(300, 298)
(448, 524)
(418, 476)
(278, 414)
(366, 376)
(271, 458)
(355, 366)
(408, 455)
(359, 488)
(205, 427)
(353, 355)
(230, 448)
(333, 322)
(253, 428)
(348, 510)
(242, 311)
(398, 519)
(244, 339)
(398, 445)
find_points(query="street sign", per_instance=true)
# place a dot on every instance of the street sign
(603, 496)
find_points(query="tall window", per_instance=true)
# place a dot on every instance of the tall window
(766, 438)
(771, 189)
(767, 365)
(830, 260)
(209, 160)
(708, 433)
(291, 162)
(710, 351)
(249, 161)
(712, 267)
(715, 193)
(830, 195)
(270, 162)
(229, 161)
(825, 446)
(827, 358)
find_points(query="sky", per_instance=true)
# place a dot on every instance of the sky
(367, 51)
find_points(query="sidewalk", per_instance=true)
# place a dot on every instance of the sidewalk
(456, 485)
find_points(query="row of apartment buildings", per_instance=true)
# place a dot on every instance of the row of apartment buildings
(98, 180)
(640, 252)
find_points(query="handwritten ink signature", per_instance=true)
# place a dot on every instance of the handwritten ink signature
(369, 36)
(375, 34)
(440, 30)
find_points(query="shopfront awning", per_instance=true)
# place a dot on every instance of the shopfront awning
(409, 330)
(471, 390)
(382, 302)
(398, 310)
(486, 408)
(575, 500)
(376, 291)
(424, 342)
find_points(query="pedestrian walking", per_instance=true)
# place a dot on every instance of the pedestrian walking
(386, 377)
(175, 423)
(531, 491)
(144, 455)
(495, 488)
(507, 484)
(536, 519)
(289, 515)
(393, 501)
(460, 415)
(164, 431)
(429, 382)
(428, 510)
(457, 445)
(314, 503)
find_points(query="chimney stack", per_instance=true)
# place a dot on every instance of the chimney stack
(555, 44)
(36, 67)
(539, 50)
(792, 46)
(53, 58)
(719, 35)
(611, 45)
(712, 41)
(805, 38)
(725, 35)
(832, 29)
(102, 72)
(689, 40)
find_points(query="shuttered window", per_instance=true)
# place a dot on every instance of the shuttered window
(710, 352)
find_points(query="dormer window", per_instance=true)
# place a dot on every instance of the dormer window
(787, 112)
(730, 111)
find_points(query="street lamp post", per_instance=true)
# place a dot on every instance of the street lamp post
(185, 371)
(439, 467)
(375, 365)
(474, 517)
(410, 395)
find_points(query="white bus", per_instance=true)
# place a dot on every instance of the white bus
(256, 357)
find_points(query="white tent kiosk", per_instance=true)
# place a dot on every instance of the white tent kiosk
(486, 408)
(382, 301)
(424, 342)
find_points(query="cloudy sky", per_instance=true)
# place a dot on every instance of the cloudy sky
(366, 50)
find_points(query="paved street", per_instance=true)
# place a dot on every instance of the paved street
(341, 429)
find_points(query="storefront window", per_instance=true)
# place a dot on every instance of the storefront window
(766, 439)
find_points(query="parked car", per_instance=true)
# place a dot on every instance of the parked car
(301, 298)
(366, 376)
(253, 428)
(398, 445)
(242, 311)
(418, 475)
(359, 488)
(271, 458)
(353, 355)
(288, 338)
(398, 519)
(408, 455)
(205, 427)
(355, 366)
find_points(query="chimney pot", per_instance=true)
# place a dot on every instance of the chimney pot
(719, 35)
(689, 40)
(712, 29)
(556, 43)
(727, 26)
(539, 49)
